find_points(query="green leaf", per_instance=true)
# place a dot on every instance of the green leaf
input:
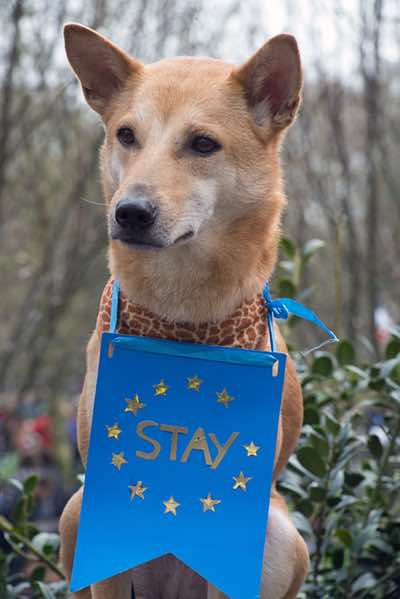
(365, 581)
(395, 374)
(312, 247)
(377, 384)
(361, 374)
(288, 247)
(388, 366)
(382, 546)
(38, 574)
(337, 482)
(375, 446)
(305, 507)
(292, 488)
(287, 265)
(30, 484)
(320, 444)
(344, 536)
(8, 465)
(345, 353)
(317, 493)
(374, 372)
(302, 524)
(46, 542)
(311, 415)
(333, 501)
(45, 591)
(20, 513)
(338, 558)
(393, 348)
(323, 365)
(16, 483)
(353, 479)
(332, 425)
(310, 459)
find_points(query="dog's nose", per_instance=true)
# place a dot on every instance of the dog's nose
(135, 213)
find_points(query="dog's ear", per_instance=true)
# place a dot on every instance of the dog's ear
(272, 80)
(101, 67)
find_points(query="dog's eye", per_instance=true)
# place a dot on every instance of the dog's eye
(126, 136)
(204, 145)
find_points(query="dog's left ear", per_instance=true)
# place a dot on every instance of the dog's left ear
(272, 80)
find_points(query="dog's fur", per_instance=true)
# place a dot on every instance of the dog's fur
(229, 202)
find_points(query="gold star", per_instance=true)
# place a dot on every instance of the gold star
(118, 459)
(241, 481)
(224, 397)
(113, 432)
(193, 382)
(171, 506)
(251, 449)
(137, 490)
(134, 405)
(209, 503)
(161, 388)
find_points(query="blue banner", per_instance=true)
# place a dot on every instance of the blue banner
(180, 461)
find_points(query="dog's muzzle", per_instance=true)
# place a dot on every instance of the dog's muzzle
(136, 221)
(133, 222)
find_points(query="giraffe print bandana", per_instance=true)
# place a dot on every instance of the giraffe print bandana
(246, 327)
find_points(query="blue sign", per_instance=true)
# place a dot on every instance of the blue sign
(180, 461)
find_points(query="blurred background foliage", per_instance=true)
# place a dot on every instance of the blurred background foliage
(339, 254)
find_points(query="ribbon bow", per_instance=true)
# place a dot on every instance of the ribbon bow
(281, 308)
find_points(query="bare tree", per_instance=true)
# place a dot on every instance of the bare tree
(370, 66)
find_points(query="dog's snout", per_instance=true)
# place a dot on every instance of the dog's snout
(135, 213)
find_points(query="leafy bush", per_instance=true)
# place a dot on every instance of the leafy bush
(343, 483)
(31, 555)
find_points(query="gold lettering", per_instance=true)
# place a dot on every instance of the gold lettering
(156, 446)
(222, 450)
(175, 430)
(198, 442)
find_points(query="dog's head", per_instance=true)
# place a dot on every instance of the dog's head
(191, 146)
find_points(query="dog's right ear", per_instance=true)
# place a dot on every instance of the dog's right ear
(101, 67)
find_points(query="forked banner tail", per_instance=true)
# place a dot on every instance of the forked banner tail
(180, 461)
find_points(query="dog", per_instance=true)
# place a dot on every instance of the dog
(193, 186)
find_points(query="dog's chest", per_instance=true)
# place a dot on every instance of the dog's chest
(245, 328)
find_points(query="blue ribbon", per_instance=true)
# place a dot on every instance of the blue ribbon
(114, 307)
(281, 308)
(183, 349)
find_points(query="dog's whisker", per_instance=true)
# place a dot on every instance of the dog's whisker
(94, 203)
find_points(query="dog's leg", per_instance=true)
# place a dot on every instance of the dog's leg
(213, 593)
(68, 531)
(286, 558)
(117, 587)
(168, 578)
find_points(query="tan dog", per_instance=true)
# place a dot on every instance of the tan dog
(192, 180)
